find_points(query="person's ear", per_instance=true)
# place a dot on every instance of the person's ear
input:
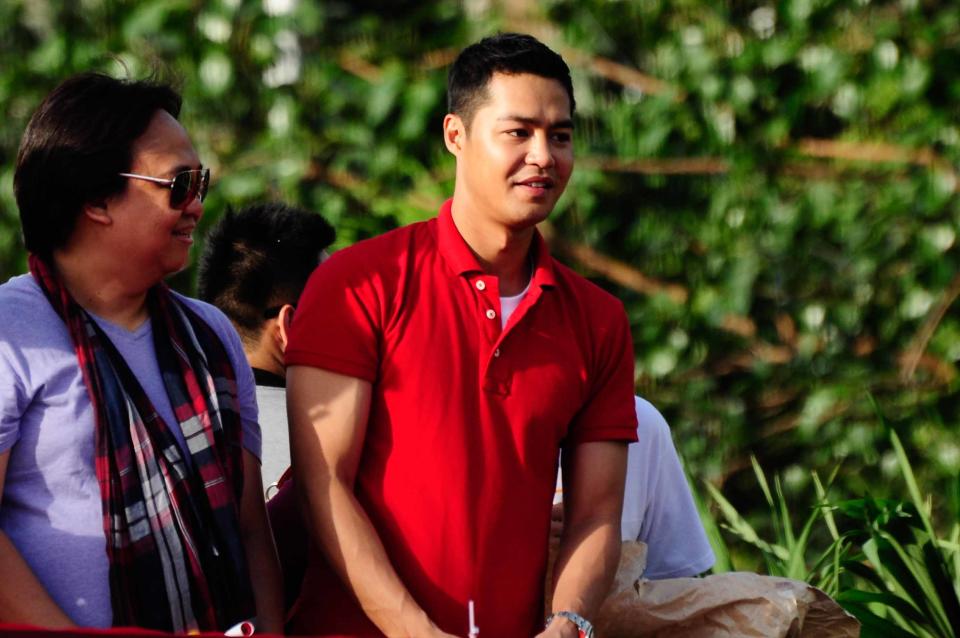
(284, 321)
(454, 133)
(97, 212)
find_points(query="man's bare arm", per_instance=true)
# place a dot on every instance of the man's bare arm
(260, 551)
(593, 476)
(327, 414)
(22, 598)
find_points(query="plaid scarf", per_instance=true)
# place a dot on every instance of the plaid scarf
(172, 523)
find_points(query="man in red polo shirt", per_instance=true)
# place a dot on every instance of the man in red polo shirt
(434, 373)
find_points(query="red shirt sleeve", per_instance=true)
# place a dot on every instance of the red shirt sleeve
(337, 324)
(609, 414)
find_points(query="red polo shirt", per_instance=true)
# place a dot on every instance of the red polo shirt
(459, 462)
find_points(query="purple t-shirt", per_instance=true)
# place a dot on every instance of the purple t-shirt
(51, 507)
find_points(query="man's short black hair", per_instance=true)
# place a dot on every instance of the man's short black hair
(508, 53)
(76, 143)
(260, 258)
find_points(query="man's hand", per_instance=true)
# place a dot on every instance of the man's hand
(260, 550)
(593, 475)
(560, 627)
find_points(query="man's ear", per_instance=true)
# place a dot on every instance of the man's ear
(454, 133)
(284, 321)
(97, 212)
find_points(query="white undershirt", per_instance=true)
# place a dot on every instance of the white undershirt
(509, 304)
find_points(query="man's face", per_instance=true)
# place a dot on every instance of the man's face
(515, 157)
(155, 237)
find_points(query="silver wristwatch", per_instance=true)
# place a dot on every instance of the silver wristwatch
(586, 629)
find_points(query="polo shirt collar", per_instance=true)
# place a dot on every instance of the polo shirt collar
(455, 251)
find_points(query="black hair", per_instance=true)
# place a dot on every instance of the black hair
(258, 258)
(509, 53)
(73, 148)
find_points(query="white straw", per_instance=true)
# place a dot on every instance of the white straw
(474, 630)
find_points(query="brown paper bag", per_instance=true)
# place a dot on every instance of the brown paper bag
(732, 605)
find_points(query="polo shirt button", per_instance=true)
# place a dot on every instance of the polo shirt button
(491, 314)
(481, 284)
(496, 352)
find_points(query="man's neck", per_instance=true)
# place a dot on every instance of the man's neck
(502, 252)
(100, 290)
(264, 353)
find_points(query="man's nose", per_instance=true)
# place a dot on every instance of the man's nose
(195, 207)
(539, 153)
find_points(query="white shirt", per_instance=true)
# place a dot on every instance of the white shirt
(658, 508)
(273, 427)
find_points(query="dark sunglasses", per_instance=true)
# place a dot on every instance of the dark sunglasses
(184, 187)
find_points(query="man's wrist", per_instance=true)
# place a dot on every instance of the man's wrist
(417, 623)
(570, 624)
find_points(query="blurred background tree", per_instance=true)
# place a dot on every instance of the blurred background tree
(768, 186)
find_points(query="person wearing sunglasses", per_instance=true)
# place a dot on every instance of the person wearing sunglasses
(130, 489)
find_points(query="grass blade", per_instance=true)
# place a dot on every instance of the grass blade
(828, 517)
(740, 527)
(873, 625)
(721, 552)
(904, 607)
(907, 470)
(913, 581)
(942, 583)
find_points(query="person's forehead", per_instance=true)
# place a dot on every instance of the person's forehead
(165, 145)
(519, 92)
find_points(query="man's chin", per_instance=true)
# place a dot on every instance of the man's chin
(532, 214)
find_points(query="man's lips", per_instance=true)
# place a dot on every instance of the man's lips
(536, 182)
(184, 233)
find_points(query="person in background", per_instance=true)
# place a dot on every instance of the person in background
(658, 507)
(129, 444)
(254, 266)
(435, 372)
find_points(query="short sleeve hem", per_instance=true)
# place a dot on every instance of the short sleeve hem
(252, 442)
(331, 363)
(625, 434)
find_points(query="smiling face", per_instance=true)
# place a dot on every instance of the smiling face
(516, 155)
(154, 237)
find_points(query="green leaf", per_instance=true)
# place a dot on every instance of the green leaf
(911, 481)
(762, 480)
(911, 579)
(875, 625)
(739, 526)
(903, 607)
(943, 584)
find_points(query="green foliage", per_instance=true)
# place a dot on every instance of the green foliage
(791, 554)
(882, 560)
(909, 573)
